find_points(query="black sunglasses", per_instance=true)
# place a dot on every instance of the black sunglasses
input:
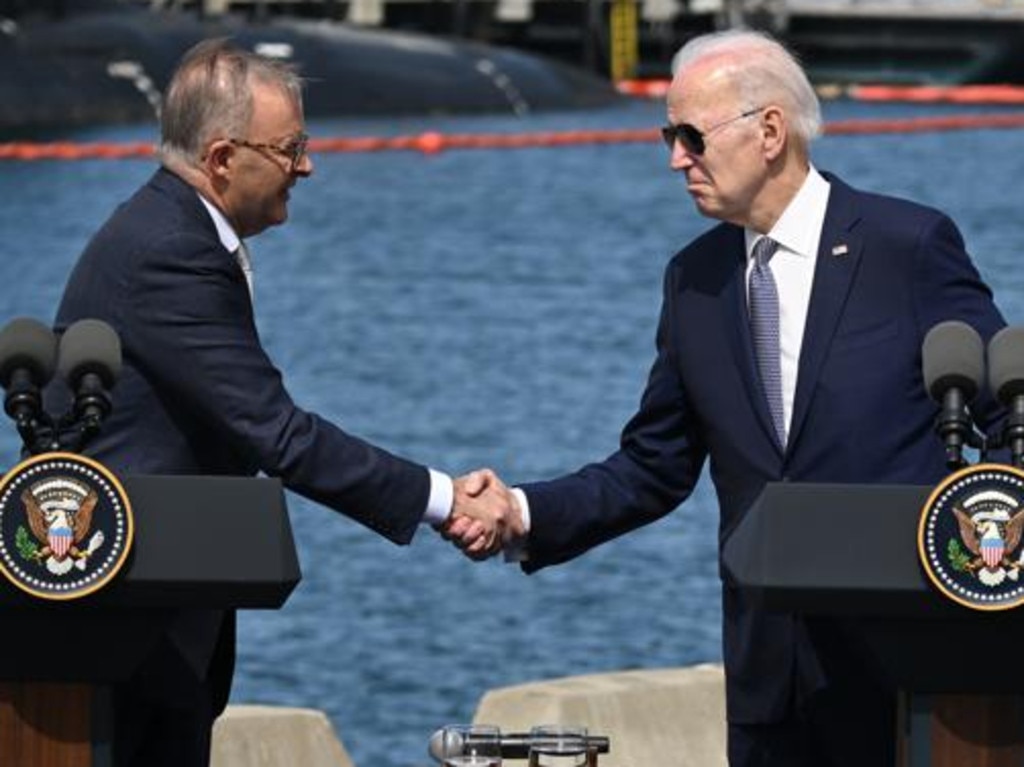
(692, 138)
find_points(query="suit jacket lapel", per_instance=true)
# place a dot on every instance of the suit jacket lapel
(737, 319)
(839, 256)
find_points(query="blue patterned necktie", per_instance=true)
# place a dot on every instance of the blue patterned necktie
(764, 324)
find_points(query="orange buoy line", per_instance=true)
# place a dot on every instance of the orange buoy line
(954, 94)
(66, 150)
(648, 89)
(921, 94)
(433, 142)
(925, 124)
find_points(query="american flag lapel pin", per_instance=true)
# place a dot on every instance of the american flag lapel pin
(840, 250)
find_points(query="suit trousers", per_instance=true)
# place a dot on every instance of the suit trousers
(164, 715)
(848, 722)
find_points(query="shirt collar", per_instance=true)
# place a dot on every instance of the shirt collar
(798, 229)
(228, 238)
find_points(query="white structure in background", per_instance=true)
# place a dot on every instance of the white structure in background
(731, 12)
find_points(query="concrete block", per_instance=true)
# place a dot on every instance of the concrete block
(671, 717)
(275, 736)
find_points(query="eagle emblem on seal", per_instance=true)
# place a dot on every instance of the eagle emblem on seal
(990, 528)
(59, 512)
(970, 535)
(66, 526)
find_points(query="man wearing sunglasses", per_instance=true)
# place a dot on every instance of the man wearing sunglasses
(793, 360)
(197, 393)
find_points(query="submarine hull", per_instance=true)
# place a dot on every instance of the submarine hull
(111, 67)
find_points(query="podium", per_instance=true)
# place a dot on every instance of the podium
(200, 543)
(849, 552)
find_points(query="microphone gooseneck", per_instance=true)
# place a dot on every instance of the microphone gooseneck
(89, 361)
(28, 353)
(953, 366)
(1006, 381)
(88, 358)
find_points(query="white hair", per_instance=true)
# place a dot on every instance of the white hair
(767, 71)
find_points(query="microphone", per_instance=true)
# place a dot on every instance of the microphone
(28, 353)
(512, 745)
(952, 361)
(1006, 380)
(90, 362)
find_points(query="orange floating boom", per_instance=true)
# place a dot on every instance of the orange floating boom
(432, 142)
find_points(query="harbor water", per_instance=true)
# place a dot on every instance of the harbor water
(488, 307)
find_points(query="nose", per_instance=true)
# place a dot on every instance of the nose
(304, 167)
(680, 158)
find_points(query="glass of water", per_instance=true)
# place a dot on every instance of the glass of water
(556, 745)
(471, 745)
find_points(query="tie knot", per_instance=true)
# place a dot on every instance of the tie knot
(764, 249)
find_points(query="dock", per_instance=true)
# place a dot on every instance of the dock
(841, 41)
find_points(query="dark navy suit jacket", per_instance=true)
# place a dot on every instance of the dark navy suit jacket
(887, 271)
(198, 395)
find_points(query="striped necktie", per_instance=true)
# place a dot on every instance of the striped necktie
(244, 262)
(764, 322)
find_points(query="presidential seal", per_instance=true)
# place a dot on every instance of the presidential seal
(66, 526)
(969, 537)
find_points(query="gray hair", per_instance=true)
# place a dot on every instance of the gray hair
(210, 96)
(768, 72)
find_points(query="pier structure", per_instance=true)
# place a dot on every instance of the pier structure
(841, 41)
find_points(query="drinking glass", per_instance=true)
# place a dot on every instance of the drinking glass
(471, 745)
(558, 745)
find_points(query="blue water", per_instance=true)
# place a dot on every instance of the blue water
(485, 307)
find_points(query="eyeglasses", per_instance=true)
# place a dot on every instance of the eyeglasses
(692, 138)
(293, 151)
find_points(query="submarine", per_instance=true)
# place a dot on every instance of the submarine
(72, 64)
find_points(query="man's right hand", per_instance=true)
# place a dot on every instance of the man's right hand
(485, 515)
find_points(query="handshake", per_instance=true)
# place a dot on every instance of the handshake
(485, 518)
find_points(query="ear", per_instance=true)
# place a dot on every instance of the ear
(219, 158)
(774, 131)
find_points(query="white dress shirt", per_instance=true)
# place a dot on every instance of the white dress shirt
(798, 233)
(442, 492)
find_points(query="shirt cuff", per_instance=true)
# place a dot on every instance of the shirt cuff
(442, 496)
(524, 507)
(518, 550)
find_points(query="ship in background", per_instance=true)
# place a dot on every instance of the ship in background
(72, 63)
(78, 62)
(898, 42)
(916, 42)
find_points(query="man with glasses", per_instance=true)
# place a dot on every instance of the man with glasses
(197, 393)
(788, 349)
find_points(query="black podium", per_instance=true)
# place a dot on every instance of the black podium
(200, 543)
(850, 552)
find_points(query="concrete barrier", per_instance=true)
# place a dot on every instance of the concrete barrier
(276, 736)
(671, 717)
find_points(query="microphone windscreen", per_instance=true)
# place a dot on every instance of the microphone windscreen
(435, 747)
(953, 355)
(27, 344)
(444, 742)
(90, 346)
(1006, 364)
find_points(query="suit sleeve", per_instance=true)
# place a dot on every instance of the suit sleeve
(948, 286)
(192, 334)
(656, 467)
